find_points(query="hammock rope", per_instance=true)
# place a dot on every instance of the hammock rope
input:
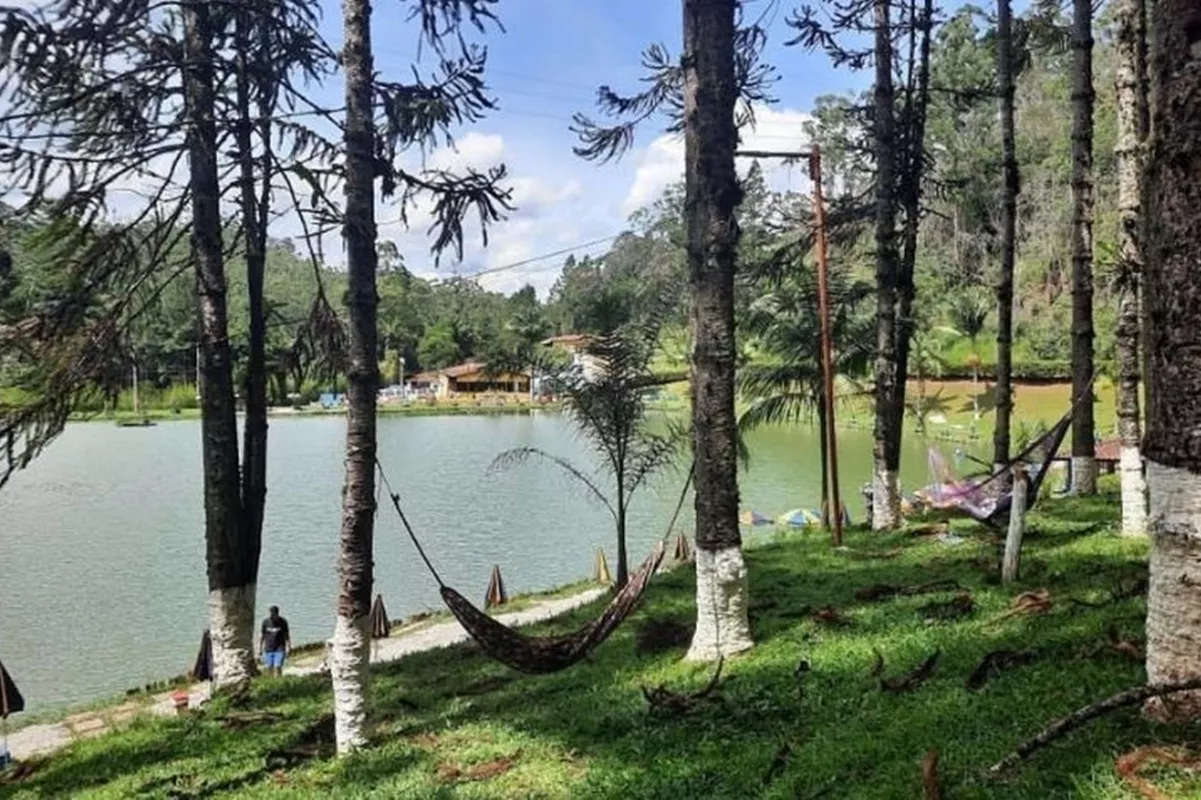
(542, 654)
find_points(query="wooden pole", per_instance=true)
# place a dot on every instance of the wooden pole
(1017, 527)
(827, 347)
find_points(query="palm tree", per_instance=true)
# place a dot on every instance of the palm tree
(608, 407)
(968, 312)
(786, 384)
(1172, 300)
(1132, 130)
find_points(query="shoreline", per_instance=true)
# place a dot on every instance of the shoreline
(43, 734)
(301, 654)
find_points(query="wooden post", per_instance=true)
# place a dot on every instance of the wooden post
(1017, 527)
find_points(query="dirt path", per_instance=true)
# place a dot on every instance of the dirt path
(39, 740)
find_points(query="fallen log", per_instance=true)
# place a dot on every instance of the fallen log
(1079, 717)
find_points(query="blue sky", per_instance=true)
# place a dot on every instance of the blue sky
(544, 67)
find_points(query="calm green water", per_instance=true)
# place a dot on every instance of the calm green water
(103, 582)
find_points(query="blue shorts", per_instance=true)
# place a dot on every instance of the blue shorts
(273, 659)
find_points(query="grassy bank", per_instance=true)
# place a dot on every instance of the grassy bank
(800, 715)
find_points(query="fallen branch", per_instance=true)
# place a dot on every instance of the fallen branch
(1026, 603)
(1130, 764)
(1078, 718)
(910, 680)
(996, 661)
(663, 698)
(961, 605)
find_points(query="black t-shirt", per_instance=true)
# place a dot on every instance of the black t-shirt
(275, 633)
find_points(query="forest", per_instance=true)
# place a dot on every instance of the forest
(433, 323)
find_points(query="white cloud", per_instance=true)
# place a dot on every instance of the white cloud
(561, 202)
(530, 193)
(662, 162)
(476, 150)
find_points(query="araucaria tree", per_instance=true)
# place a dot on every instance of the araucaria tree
(408, 116)
(101, 112)
(350, 647)
(896, 121)
(1006, 68)
(1172, 303)
(719, 67)
(711, 193)
(1131, 20)
(1084, 463)
(232, 563)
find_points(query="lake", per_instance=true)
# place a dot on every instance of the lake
(102, 542)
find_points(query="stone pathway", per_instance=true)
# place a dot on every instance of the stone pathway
(40, 740)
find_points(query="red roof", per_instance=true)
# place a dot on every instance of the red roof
(459, 370)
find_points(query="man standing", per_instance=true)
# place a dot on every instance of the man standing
(274, 642)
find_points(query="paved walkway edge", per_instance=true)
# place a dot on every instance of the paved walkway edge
(41, 740)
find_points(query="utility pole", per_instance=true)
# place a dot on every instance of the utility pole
(814, 158)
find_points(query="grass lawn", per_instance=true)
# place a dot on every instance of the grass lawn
(454, 724)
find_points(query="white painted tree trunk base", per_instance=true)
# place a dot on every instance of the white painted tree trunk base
(349, 657)
(886, 499)
(1084, 475)
(722, 626)
(1174, 594)
(1134, 492)
(231, 626)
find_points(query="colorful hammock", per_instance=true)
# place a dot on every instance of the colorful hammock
(988, 499)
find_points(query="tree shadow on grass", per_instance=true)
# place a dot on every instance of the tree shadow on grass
(842, 729)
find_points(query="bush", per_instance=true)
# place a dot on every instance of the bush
(1029, 370)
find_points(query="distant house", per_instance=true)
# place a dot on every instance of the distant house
(577, 345)
(470, 378)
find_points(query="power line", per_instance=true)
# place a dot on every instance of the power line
(543, 257)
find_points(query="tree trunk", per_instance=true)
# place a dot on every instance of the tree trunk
(711, 195)
(623, 560)
(1012, 186)
(1084, 463)
(231, 567)
(254, 219)
(1172, 303)
(827, 521)
(886, 492)
(918, 96)
(349, 649)
(1132, 131)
